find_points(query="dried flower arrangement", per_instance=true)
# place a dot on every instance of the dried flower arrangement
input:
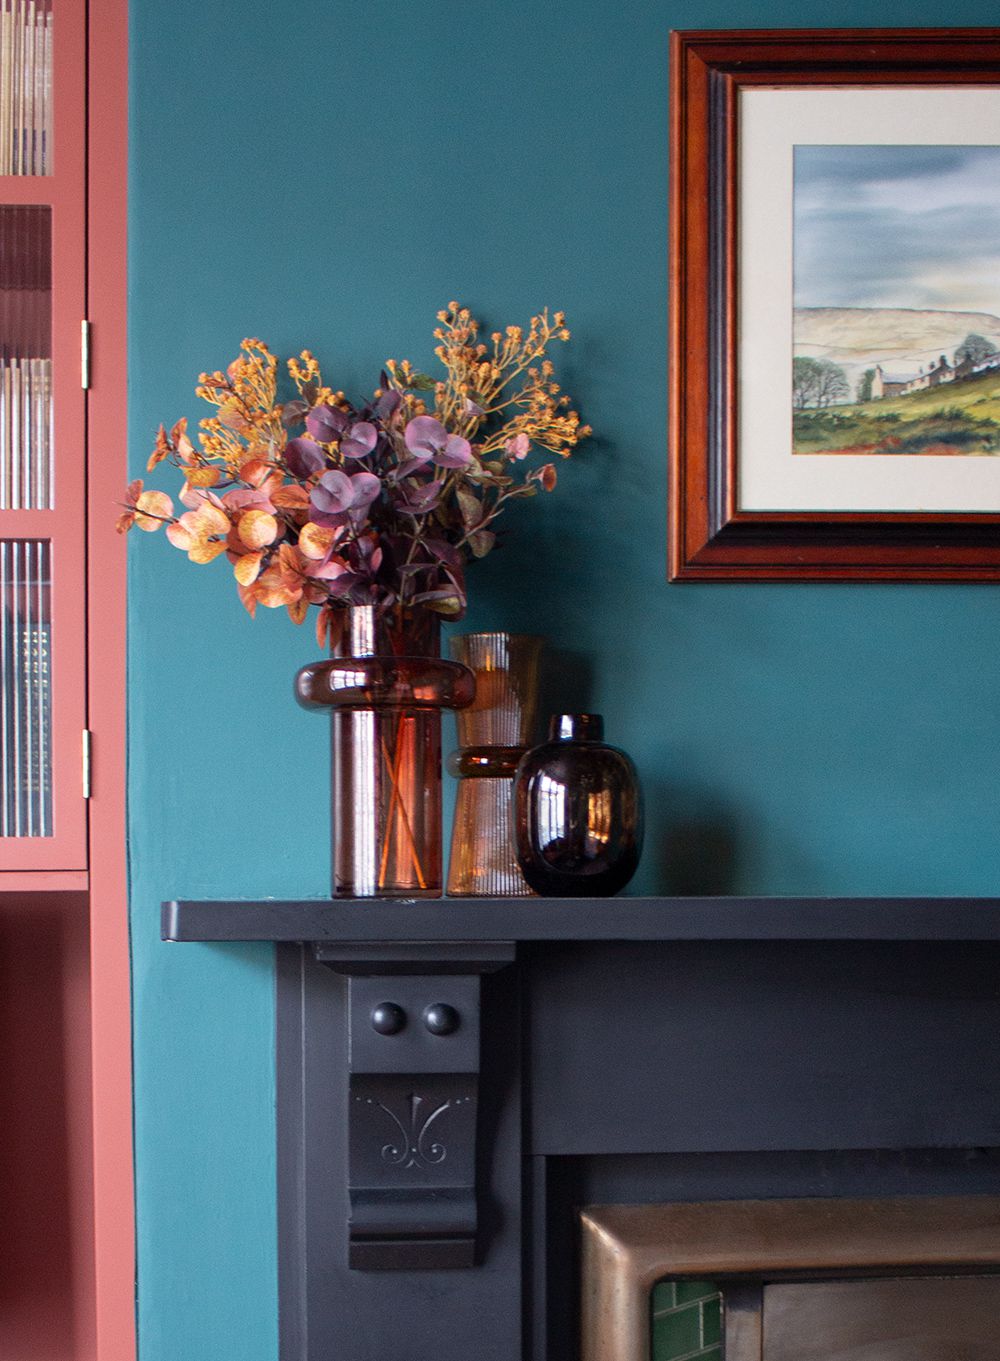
(380, 504)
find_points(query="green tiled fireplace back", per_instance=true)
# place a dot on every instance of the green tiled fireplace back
(687, 1321)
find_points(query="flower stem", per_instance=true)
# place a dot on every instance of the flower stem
(394, 769)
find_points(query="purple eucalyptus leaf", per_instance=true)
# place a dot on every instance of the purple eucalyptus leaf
(366, 488)
(457, 453)
(326, 423)
(334, 493)
(410, 465)
(329, 519)
(303, 457)
(365, 555)
(359, 440)
(418, 500)
(443, 551)
(387, 404)
(331, 571)
(425, 435)
(293, 412)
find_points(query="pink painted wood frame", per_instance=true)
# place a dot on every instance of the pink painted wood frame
(64, 192)
(111, 1030)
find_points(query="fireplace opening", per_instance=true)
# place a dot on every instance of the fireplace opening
(687, 1321)
(951, 1318)
(904, 1279)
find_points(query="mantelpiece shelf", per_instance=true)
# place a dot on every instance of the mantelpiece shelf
(587, 919)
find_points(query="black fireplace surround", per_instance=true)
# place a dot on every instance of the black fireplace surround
(456, 1079)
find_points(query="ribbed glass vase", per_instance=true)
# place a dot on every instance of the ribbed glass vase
(493, 734)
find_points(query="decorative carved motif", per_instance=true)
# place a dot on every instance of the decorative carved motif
(415, 1146)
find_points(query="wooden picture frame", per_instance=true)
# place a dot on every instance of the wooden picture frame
(717, 530)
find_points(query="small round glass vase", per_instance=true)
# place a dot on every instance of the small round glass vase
(385, 688)
(578, 816)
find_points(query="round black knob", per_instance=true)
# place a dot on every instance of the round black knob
(388, 1018)
(441, 1019)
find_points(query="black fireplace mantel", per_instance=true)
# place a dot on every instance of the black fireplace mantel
(585, 919)
(456, 1078)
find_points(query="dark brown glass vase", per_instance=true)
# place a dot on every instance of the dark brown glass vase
(578, 818)
(385, 687)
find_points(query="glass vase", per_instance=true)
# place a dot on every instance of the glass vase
(493, 735)
(385, 687)
(578, 814)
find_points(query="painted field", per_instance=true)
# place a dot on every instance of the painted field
(961, 418)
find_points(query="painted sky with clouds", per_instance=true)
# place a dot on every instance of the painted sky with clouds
(898, 226)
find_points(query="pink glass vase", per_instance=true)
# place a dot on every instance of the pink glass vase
(385, 687)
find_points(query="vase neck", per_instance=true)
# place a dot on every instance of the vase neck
(576, 728)
(368, 631)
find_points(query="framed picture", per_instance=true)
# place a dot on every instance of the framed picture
(835, 305)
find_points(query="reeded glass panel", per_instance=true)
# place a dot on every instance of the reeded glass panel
(25, 701)
(687, 1321)
(26, 87)
(26, 464)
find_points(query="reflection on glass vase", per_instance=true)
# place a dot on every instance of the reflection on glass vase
(385, 688)
(493, 734)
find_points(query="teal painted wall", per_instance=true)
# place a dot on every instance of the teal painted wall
(329, 175)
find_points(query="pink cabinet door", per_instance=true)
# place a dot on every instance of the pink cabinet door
(43, 811)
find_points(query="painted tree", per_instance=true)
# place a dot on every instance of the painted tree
(974, 348)
(805, 382)
(833, 385)
(865, 385)
(817, 382)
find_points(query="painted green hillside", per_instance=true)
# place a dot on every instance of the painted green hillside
(955, 418)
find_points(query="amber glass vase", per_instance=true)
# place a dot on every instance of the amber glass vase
(493, 735)
(386, 686)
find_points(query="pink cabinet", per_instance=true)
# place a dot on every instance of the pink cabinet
(65, 1063)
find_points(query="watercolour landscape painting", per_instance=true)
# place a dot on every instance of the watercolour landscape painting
(896, 334)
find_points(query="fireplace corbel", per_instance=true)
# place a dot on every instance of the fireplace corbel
(413, 1094)
(631, 1051)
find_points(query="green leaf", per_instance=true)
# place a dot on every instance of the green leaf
(421, 382)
